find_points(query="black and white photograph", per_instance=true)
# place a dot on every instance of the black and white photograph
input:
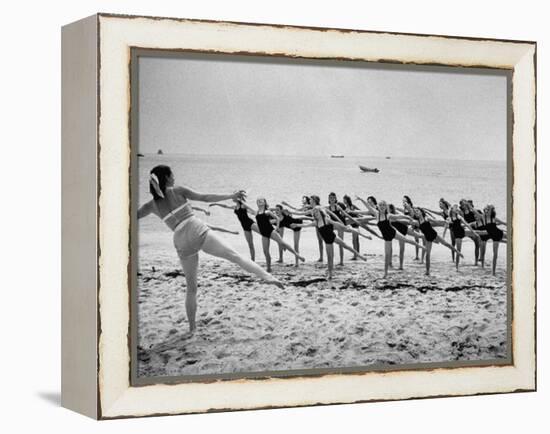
(296, 216)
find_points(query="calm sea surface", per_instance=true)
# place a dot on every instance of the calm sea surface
(279, 178)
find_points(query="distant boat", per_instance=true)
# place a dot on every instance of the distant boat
(369, 169)
(159, 152)
(336, 156)
(388, 158)
(141, 155)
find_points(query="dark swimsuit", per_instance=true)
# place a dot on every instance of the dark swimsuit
(493, 232)
(429, 232)
(386, 229)
(246, 221)
(326, 231)
(456, 228)
(287, 220)
(350, 210)
(338, 212)
(264, 224)
(401, 227)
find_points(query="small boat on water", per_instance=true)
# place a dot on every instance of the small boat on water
(388, 158)
(336, 156)
(140, 155)
(159, 152)
(369, 169)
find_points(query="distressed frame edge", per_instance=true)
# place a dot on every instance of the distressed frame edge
(79, 135)
(520, 389)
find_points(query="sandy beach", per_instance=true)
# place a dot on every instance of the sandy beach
(357, 319)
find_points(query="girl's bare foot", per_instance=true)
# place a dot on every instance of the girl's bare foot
(277, 283)
(320, 260)
(363, 258)
(301, 258)
(280, 261)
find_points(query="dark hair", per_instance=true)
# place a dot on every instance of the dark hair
(279, 206)
(391, 208)
(347, 200)
(408, 200)
(316, 199)
(372, 199)
(447, 204)
(162, 173)
(307, 198)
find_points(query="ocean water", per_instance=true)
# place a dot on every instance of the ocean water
(288, 178)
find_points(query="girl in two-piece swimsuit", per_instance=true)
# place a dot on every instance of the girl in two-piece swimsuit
(325, 226)
(285, 221)
(170, 204)
(431, 236)
(263, 220)
(491, 232)
(241, 211)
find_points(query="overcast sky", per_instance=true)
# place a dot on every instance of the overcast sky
(199, 106)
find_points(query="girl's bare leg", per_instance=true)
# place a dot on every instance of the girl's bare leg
(190, 265)
(482, 247)
(265, 246)
(250, 241)
(355, 243)
(341, 236)
(446, 244)
(401, 253)
(342, 244)
(216, 247)
(423, 254)
(428, 256)
(281, 250)
(320, 241)
(330, 259)
(453, 243)
(276, 237)
(495, 256)
(459, 249)
(417, 246)
(387, 256)
(297, 245)
(403, 238)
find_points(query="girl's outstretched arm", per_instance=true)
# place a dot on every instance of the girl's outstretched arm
(209, 197)
(285, 203)
(222, 205)
(249, 209)
(431, 211)
(198, 208)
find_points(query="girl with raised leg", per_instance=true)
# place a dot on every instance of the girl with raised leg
(325, 225)
(459, 228)
(171, 204)
(431, 236)
(263, 219)
(241, 211)
(388, 232)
